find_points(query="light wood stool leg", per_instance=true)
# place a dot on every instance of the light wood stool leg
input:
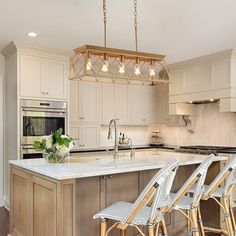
(193, 216)
(103, 228)
(122, 232)
(150, 231)
(163, 224)
(232, 219)
(200, 222)
(227, 216)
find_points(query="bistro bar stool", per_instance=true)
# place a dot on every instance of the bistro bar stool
(181, 202)
(139, 213)
(221, 194)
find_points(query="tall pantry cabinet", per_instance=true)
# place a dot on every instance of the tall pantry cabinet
(30, 73)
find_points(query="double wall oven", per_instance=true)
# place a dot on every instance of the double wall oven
(38, 119)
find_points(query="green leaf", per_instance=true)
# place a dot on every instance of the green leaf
(39, 145)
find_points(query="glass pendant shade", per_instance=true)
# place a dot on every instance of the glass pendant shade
(105, 66)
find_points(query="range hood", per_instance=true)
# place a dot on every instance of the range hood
(203, 79)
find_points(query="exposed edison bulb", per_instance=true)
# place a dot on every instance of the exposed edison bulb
(152, 72)
(89, 64)
(105, 66)
(122, 68)
(137, 70)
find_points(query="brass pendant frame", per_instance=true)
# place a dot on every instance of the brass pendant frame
(112, 58)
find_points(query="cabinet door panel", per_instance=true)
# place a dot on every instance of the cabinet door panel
(121, 100)
(89, 101)
(123, 187)
(56, 79)
(134, 104)
(149, 103)
(74, 103)
(90, 136)
(88, 204)
(74, 133)
(19, 202)
(108, 103)
(31, 75)
(44, 207)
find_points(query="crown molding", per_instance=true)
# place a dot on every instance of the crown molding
(16, 46)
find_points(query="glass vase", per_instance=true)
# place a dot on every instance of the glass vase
(54, 157)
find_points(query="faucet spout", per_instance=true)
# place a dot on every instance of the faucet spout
(109, 136)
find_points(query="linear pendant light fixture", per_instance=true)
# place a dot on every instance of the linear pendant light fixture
(103, 64)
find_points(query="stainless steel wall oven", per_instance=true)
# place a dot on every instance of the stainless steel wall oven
(38, 119)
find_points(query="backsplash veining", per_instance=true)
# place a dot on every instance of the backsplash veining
(211, 128)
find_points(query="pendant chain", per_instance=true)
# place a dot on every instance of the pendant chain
(105, 22)
(136, 25)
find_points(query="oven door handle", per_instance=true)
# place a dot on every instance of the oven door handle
(45, 111)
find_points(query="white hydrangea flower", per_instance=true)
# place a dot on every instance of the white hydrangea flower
(49, 141)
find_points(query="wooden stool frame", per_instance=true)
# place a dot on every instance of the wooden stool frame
(151, 194)
(226, 176)
(194, 223)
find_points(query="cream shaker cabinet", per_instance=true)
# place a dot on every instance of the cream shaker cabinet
(149, 105)
(84, 114)
(131, 104)
(43, 76)
(115, 103)
(85, 136)
(84, 102)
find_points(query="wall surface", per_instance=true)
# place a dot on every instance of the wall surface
(2, 71)
(211, 128)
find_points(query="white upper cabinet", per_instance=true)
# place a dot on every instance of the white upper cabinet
(134, 104)
(31, 69)
(149, 104)
(131, 104)
(74, 116)
(56, 79)
(43, 76)
(121, 103)
(108, 102)
(89, 102)
(84, 102)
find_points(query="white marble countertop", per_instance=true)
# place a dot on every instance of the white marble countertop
(79, 167)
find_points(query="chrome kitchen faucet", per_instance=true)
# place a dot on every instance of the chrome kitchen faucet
(113, 121)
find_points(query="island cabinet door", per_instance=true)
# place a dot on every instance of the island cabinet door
(88, 201)
(145, 177)
(19, 214)
(44, 207)
(180, 221)
(122, 187)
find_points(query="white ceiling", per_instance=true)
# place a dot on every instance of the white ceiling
(181, 29)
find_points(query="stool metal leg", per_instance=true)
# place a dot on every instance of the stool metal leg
(103, 228)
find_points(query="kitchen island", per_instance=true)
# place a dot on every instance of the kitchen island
(61, 199)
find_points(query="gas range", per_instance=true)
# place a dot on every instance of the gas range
(207, 150)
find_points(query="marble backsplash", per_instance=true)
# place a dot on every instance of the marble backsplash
(211, 128)
(140, 135)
